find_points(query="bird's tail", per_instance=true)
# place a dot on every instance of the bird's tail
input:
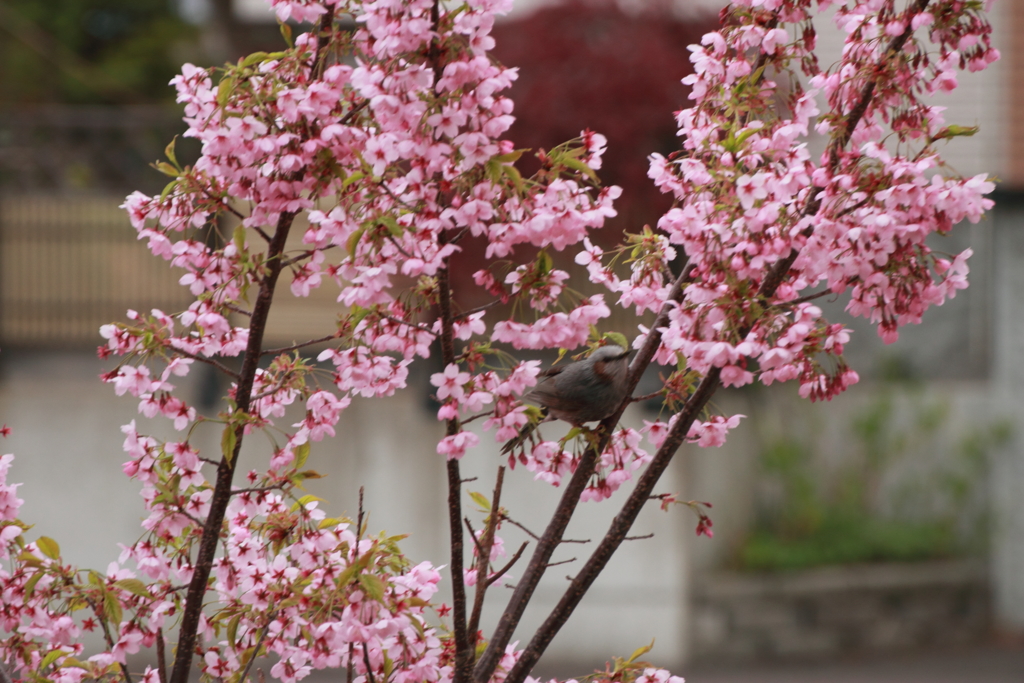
(526, 432)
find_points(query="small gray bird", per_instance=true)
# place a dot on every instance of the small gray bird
(584, 391)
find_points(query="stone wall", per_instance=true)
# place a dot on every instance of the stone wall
(839, 610)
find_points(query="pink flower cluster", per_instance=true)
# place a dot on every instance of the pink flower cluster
(751, 197)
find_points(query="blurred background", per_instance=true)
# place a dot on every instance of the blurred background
(877, 537)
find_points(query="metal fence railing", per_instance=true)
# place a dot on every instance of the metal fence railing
(69, 264)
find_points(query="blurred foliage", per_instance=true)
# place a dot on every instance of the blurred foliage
(864, 513)
(91, 51)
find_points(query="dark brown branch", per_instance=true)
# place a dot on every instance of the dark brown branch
(226, 467)
(323, 36)
(639, 538)
(463, 649)
(161, 656)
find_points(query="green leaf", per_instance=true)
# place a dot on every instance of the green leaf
(48, 547)
(373, 585)
(135, 587)
(517, 178)
(286, 33)
(358, 175)
(254, 58)
(544, 263)
(224, 90)
(481, 500)
(617, 338)
(228, 440)
(238, 237)
(640, 652)
(392, 225)
(168, 188)
(169, 152)
(578, 165)
(233, 629)
(166, 169)
(301, 455)
(511, 157)
(306, 500)
(353, 240)
(309, 474)
(112, 608)
(954, 131)
(71, 661)
(494, 170)
(50, 658)
(30, 585)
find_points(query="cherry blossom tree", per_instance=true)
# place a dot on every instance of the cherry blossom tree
(389, 139)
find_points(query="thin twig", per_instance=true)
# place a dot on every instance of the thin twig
(501, 572)
(647, 397)
(466, 314)
(515, 523)
(259, 231)
(803, 299)
(366, 660)
(238, 309)
(259, 644)
(555, 564)
(639, 538)
(415, 326)
(472, 534)
(261, 489)
(203, 359)
(295, 347)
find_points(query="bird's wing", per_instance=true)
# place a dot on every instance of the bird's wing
(546, 392)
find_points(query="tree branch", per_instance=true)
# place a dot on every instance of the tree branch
(226, 468)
